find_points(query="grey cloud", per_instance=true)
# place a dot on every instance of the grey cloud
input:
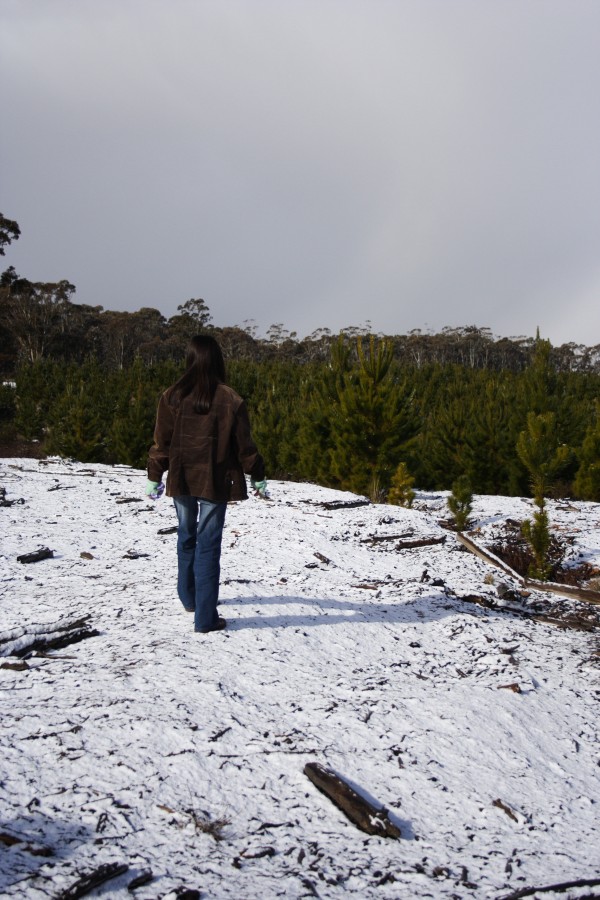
(417, 163)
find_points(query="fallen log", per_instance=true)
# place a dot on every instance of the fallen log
(36, 555)
(378, 538)
(550, 587)
(52, 638)
(422, 542)
(92, 880)
(345, 504)
(565, 590)
(359, 811)
(145, 877)
(486, 556)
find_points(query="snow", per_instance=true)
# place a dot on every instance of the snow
(181, 753)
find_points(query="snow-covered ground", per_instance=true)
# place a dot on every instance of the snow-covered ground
(183, 754)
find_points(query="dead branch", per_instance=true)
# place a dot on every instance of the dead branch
(92, 880)
(563, 886)
(361, 812)
(505, 808)
(574, 622)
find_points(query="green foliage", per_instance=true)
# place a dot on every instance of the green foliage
(460, 502)
(348, 420)
(9, 232)
(76, 426)
(373, 420)
(540, 451)
(319, 414)
(38, 386)
(130, 432)
(8, 405)
(587, 480)
(401, 491)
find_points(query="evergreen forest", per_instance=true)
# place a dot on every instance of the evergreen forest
(354, 410)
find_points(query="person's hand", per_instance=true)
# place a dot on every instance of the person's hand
(154, 489)
(260, 488)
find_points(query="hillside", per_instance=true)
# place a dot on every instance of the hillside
(147, 745)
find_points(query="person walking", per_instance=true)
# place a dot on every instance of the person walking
(202, 438)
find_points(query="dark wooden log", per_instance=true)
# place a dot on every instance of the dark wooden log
(92, 880)
(378, 538)
(323, 559)
(170, 530)
(359, 811)
(343, 504)
(36, 555)
(422, 542)
(143, 878)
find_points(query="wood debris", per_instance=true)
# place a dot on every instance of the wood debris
(360, 812)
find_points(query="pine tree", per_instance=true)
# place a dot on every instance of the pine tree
(460, 502)
(319, 415)
(130, 431)
(76, 427)
(539, 450)
(587, 480)
(373, 422)
(401, 491)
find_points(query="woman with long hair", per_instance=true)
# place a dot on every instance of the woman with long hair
(202, 437)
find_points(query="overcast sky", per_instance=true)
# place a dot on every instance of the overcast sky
(319, 163)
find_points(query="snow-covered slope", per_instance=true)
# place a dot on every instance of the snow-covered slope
(183, 754)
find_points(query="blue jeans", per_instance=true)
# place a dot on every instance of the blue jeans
(199, 556)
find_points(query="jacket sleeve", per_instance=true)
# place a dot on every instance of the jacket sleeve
(158, 457)
(247, 452)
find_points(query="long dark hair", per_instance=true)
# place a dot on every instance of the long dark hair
(204, 370)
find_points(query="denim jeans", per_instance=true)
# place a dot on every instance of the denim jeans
(199, 556)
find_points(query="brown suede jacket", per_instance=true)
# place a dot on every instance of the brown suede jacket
(206, 454)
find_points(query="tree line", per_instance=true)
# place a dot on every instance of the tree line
(358, 411)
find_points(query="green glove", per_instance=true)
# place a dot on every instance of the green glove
(260, 488)
(154, 489)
